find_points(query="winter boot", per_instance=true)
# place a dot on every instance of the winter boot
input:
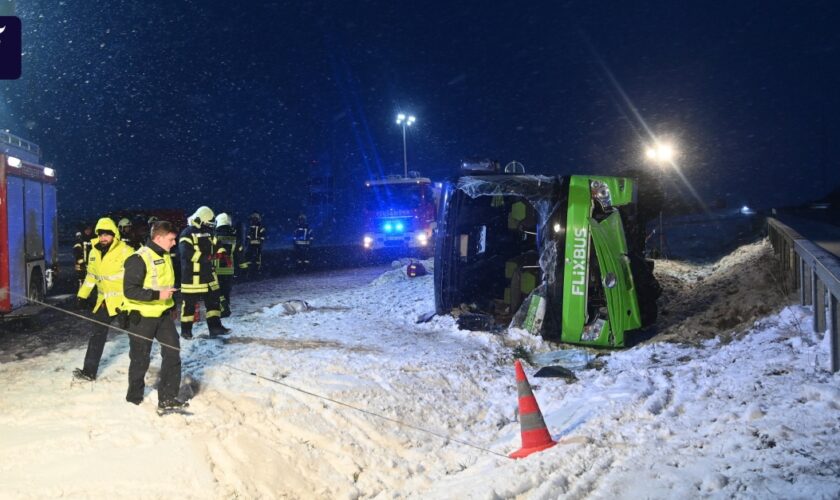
(186, 331)
(215, 326)
(172, 404)
(80, 374)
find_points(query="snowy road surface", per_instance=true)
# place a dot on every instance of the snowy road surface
(755, 415)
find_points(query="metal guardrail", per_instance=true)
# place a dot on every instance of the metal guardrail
(20, 143)
(816, 273)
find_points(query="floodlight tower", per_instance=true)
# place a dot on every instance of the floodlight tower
(405, 121)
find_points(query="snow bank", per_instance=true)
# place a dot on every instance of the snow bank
(699, 302)
(751, 415)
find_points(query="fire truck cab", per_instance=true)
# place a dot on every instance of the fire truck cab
(28, 226)
(400, 212)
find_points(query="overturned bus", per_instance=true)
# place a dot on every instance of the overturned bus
(562, 257)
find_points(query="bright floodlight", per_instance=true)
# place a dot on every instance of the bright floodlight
(404, 120)
(660, 152)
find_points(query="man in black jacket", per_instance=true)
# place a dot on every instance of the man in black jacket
(148, 285)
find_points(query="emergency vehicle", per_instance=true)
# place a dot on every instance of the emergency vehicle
(400, 212)
(28, 228)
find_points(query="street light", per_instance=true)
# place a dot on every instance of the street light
(663, 155)
(405, 121)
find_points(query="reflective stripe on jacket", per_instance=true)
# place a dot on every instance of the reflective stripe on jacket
(106, 273)
(198, 275)
(160, 275)
(228, 250)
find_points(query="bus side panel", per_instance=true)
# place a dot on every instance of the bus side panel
(17, 258)
(34, 222)
(50, 226)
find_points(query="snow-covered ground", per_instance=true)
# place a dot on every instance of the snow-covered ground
(751, 415)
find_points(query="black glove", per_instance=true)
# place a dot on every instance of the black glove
(122, 319)
(81, 304)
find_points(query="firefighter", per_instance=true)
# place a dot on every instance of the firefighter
(303, 241)
(126, 234)
(149, 284)
(105, 272)
(228, 252)
(80, 258)
(81, 250)
(198, 275)
(254, 238)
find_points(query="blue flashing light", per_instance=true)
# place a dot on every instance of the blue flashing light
(388, 227)
(399, 226)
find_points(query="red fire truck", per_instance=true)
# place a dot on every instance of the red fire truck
(400, 212)
(28, 229)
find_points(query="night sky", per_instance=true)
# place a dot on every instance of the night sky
(182, 103)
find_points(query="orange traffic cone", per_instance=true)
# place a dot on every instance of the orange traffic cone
(535, 436)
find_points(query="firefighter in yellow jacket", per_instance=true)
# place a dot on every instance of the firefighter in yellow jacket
(228, 253)
(105, 272)
(198, 274)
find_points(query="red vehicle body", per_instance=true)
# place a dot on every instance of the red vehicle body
(28, 225)
(400, 212)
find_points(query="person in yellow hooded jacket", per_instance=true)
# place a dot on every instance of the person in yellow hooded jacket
(105, 272)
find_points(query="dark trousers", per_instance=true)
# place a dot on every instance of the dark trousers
(254, 256)
(211, 304)
(225, 287)
(302, 253)
(96, 344)
(189, 300)
(145, 330)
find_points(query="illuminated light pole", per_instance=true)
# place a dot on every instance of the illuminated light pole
(662, 154)
(405, 121)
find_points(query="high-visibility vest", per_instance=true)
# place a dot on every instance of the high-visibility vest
(226, 248)
(106, 274)
(159, 275)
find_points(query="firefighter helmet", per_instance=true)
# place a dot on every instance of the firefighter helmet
(124, 223)
(202, 216)
(223, 219)
(256, 217)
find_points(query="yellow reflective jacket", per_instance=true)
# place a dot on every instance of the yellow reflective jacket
(106, 272)
(159, 275)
